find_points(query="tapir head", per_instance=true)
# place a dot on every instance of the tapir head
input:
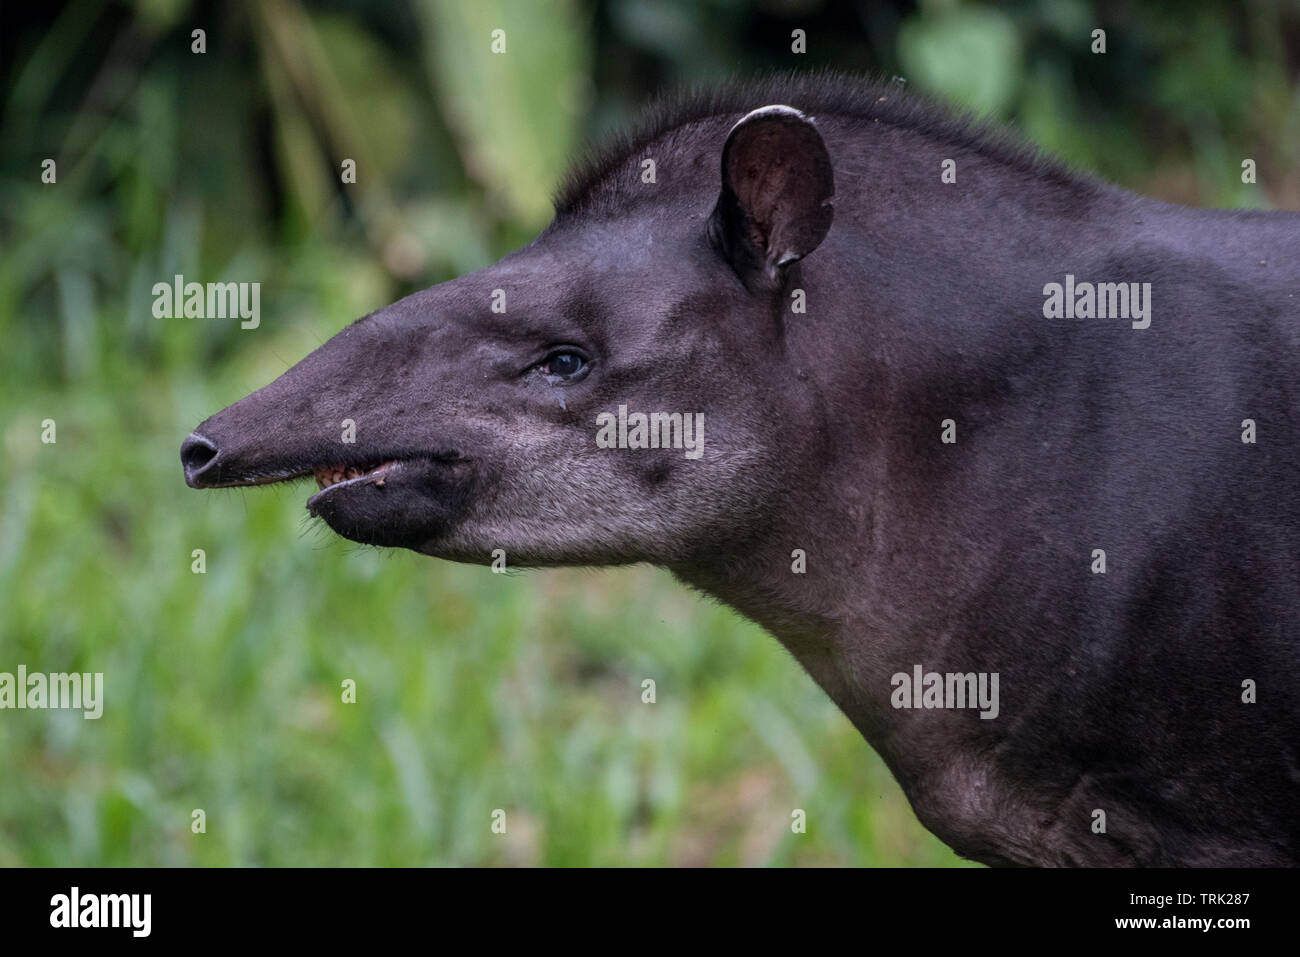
(500, 410)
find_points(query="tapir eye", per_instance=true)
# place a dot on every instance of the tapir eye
(564, 365)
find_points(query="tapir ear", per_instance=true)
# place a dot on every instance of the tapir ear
(775, 206)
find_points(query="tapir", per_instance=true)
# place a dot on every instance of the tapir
(1005, 455)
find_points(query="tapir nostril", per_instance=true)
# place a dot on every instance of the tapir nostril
(197, 453)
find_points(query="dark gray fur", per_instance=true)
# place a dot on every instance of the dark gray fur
(1119, 692)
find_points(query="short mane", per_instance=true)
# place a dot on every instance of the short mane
(816, 93)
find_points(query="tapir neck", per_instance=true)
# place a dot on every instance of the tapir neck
(863, 559)
(980, 461)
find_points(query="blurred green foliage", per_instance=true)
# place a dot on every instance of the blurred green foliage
(475, 691)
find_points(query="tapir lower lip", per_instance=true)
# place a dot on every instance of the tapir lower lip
(375, 476)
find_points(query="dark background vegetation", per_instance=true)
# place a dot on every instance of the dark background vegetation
(476, 691)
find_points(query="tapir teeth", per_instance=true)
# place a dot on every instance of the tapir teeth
(327, 475)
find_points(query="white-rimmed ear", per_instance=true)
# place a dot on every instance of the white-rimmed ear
(777, 187)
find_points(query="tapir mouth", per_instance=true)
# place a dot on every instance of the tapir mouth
(381, 496)
(329, 477)
(206, 467)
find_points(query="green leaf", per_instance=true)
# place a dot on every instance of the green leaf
(969, 55)
(515, 114)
